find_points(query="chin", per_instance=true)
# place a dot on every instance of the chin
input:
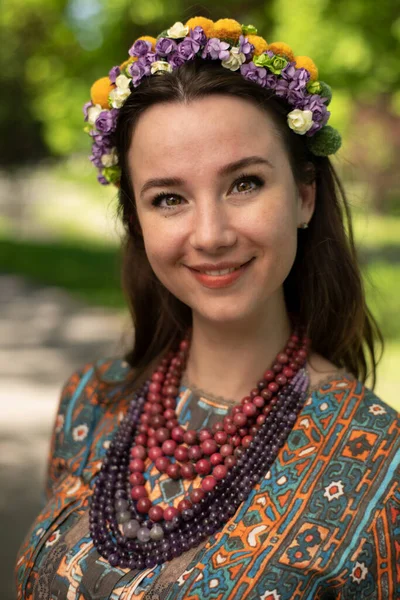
(225, 312)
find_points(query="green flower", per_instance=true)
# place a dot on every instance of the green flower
(263, 60)
(249, 30)
(314, 87)
(112, 174)
(325, 142)
(274, 64)
(278, 63)
(326, 92)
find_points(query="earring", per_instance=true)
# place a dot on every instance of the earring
(303, 226)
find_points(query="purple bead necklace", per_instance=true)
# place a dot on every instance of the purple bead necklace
(126, 538)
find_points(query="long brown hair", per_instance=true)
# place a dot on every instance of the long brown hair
(324, 288)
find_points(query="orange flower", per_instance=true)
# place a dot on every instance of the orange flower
(260, 45)
(304, 62)
(282, 49)
(100, 90)
(227, 29)
(206, 24)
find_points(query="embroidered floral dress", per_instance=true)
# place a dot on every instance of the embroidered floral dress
(323, 523)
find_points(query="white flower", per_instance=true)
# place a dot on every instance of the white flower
(122, 82)
(300, 120)
(178, 30)
(235, 60)
(93, 112)
(160, 66)
(80, 432)
(119, 94)
(118, 97)
(109, 160)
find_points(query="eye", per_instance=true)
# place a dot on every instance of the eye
(243, 183)
(161, 196)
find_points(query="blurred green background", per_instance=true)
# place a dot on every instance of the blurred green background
(58, 225)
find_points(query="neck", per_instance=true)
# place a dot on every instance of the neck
(228, 361)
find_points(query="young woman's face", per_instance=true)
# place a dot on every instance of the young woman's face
(213, 184)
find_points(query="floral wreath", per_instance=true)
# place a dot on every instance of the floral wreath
(239, 48)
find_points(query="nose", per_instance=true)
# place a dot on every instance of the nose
(212, 227)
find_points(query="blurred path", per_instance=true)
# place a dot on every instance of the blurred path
(45, 335)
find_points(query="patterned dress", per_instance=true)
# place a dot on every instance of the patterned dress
(323, 523)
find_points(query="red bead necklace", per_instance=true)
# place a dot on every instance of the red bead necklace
(209, 452)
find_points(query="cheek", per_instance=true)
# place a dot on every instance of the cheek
(163, 250)
(275, 234)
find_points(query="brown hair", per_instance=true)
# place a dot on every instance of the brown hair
(324, 289)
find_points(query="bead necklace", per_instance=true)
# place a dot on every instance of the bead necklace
(126, 528)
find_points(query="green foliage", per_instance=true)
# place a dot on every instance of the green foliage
(53, 50)
(88, 271)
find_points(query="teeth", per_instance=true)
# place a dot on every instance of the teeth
(223, 272)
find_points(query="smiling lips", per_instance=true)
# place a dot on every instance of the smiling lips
(222, 277)
(221, 268)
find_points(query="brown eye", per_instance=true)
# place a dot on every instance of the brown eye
(173, 198)
(248, 183)
(244, 186)
(163, 197)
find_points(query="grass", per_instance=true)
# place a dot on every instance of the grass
(86, 270)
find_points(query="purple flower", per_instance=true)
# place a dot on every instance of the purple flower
(102, 147)
(246, 47)
(99, 138)
(271, 81)
(101, 179)
(86, 108)
(165, 46)
(113, 74)
(176, 60)
(321, 114)
(147, 59)
(302, 76)
(97, 150)
(281, 87)
(293, 96)
(293, 84)
(214, 48)
(137, 71)
(107, 121)
(140, 48)
(197, 34)
(253, 73)
(96, 160)
(188, 48)
(289, 72)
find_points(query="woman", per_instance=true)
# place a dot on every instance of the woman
(236, 451)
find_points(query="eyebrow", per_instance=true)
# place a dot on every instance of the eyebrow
(225, 170)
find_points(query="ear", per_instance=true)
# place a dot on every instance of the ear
(305, 202)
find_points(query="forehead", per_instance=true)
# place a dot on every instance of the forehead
(206, 132)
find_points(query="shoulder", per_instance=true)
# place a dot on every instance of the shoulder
(88, 392)
(360, 433)
(92, 374)
(341, 392)
(326, 377)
